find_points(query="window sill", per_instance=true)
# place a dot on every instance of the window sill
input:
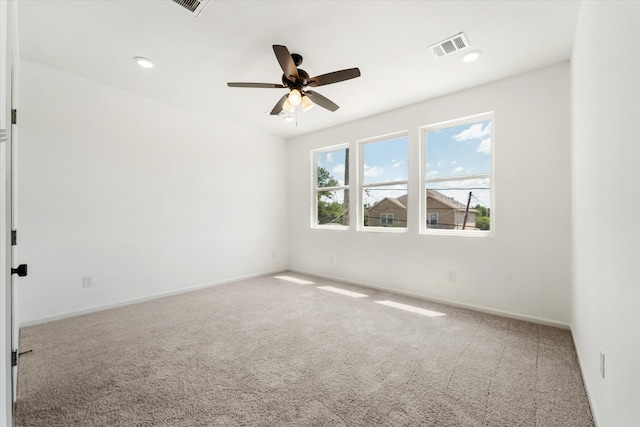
(330, 227)
(464, 233)
(383, 229)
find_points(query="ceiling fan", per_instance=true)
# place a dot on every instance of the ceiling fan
(296, 80)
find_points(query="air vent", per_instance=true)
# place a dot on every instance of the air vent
(3, 135)
(450, 45)
(193, 6)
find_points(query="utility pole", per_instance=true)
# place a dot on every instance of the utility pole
(466, 212)
(345, 205)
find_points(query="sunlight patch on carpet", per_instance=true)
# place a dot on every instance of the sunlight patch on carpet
(294, 280)
(411, 308)
(343, 292)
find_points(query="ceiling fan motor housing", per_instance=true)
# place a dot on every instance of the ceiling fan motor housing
(297, 59)
(299, 83)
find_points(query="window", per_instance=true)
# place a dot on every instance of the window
(457, 174)
(386, 219)
(384, 175)
(331, 187)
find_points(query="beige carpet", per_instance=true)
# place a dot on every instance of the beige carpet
(267, 352)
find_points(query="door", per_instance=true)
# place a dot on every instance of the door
(13, 240)
(8, 328)
(6, 340)
(6, 321)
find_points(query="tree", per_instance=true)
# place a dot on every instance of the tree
(325, 179)
(482, 211)
(483, 222)
(329, 209)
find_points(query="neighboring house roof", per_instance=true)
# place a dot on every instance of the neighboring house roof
(449, 201)
(398, 202)
(445, 200)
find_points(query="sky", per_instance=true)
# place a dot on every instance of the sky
(451, 152)
(459, 151)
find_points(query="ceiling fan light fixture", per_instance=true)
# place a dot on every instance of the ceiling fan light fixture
(295, 97)
(306, 103)
(287, 106)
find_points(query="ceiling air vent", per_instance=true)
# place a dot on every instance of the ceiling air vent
(450, 45)
(193, 6)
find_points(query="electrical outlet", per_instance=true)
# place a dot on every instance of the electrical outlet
(87, 281)
(601, 364)
(452, 276)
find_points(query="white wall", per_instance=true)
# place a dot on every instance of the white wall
(145, 197)
(606, 178)
(525, 269)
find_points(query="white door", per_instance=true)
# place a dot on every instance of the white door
(6, 286)
(8, 329)
(13, 245)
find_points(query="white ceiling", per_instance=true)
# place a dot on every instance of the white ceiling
(231, 41)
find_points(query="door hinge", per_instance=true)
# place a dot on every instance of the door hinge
(14, 237)
(14, 358)
(14, 116)
(21, 271)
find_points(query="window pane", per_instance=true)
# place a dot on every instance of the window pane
(385, 206)
(448, 199)
(333, 168)
(386, 161)
(332, 207)
(459, 150)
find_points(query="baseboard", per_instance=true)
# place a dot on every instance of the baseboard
(488, 310)
(482, 309)
(122, 303)
(594, 410)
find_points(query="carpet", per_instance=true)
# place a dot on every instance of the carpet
(272, 352)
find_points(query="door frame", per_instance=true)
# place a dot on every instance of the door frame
(8, 329)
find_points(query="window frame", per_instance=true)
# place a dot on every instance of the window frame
(424, 181)
(315, 189)
(360, 144)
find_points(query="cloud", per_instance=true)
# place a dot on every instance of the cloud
(338, 169)
(398, 164)
(440, 164)
(453, 162)
(485, 146)
(458, 169)
(431, 174)
(478, 186)
(475, 131)
(373, 171)
(329, 157)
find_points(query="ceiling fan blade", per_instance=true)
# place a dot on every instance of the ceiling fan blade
(316, 98)
(286, 62)
(278, 107)
(335, 77)
(256, 85)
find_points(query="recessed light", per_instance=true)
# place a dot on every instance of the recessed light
(144, 62)
(471, 56)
